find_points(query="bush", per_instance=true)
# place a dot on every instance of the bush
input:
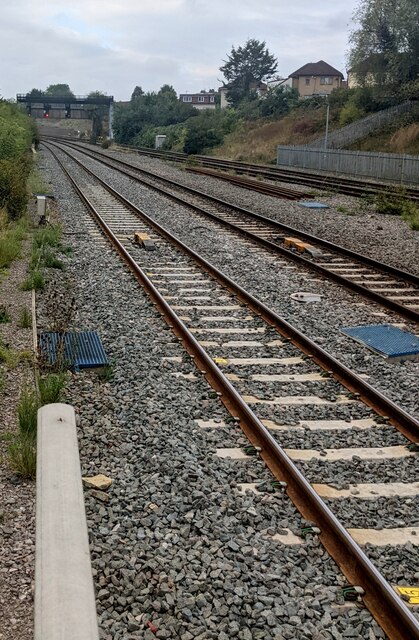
(198, 140)
(13, 192)
(349, 113)
(17, 133)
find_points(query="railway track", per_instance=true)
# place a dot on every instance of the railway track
(203, 307)
(347, 186)
(387, 286)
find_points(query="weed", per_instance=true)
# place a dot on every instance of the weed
(4, 315)
(47, 236)
(25, 320)
(390, 202)
(106, 374)
(27, 413)
(394, 202)
(35, 183)
(342, 209)
(51, 387)
(26, 356)
(410, 214)
(22, 452)
(35, 281)
(11, 236)
(9, 357)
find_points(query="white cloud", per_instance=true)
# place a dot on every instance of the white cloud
(92, 44)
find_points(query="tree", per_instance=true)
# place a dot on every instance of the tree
(137, 93)
(59, 90)
(35, 93)
(247, 66)
(150, 110)
(385, 47)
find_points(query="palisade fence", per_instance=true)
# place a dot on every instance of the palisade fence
(387, 166)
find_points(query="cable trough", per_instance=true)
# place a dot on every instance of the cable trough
(119, 219)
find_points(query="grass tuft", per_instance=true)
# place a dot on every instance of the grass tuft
(35, 280)
(25, 320)
(4, 315)
(27, 413)
(22, 454)
(51, 388)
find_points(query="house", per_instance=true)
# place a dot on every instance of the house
(256, 86)
(201, 100)
(371, 71)
(316, 79)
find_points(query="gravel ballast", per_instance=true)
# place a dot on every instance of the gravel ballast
(265, 276)
(177, 551)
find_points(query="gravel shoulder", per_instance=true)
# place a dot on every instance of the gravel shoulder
(17, 497)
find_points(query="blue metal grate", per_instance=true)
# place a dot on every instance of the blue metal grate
(75, 351)
(312, 205)
(386, 340)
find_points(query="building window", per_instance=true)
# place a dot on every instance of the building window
(201, 98)
(326, 80)
(307, 81)
(187, 98)
(211, 98)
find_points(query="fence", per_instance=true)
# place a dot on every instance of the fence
(385, 166)
(362, 128)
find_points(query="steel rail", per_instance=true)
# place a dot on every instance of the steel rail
(350, 186)
(404, 422)
(392, 305)
(386, 607)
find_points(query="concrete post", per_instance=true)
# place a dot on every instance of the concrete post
(64, 595)
(110, 132)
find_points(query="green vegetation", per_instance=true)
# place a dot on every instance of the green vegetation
(4, 315)
(45, 243)
(385, 46)
(17, 134)
(8, 357)
(394, 202)
(22, 449)
(245, 68)
(51, 387)
(25, 320)
(11, 237)
(35, 184)
(35, 280)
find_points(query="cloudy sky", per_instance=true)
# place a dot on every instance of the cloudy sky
(114, 45)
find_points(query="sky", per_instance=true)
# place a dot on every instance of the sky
(114, 45)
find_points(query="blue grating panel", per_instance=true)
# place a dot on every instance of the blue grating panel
(76, 351)
(386, 340)
(307, 204)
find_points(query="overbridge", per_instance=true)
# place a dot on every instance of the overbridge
(66, 106)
